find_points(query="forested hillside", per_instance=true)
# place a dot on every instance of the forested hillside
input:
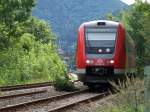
(66, 15)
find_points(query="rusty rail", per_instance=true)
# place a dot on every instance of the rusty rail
(25, 86)
(22, 94)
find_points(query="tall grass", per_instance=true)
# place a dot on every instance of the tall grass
(130, 97)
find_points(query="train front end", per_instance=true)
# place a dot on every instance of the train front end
(100, 55)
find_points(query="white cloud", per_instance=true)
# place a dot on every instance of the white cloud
(129, 2)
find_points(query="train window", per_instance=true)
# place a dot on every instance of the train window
(100, 39)
(101, 36)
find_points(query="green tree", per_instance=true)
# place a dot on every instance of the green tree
(27, 49)
(12, 12)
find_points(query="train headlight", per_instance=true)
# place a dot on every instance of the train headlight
(89, 61)
(108, 50)
(112, 61)
(100, 50)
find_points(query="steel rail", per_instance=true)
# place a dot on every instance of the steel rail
(61, 108)
(25, 86)
(20, 105)
(22, 94)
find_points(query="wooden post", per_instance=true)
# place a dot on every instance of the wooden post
(147, 88)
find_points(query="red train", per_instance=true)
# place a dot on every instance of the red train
(104, 52)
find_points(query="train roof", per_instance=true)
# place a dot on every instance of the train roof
(102, 23)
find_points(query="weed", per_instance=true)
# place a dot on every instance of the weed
(130, 97)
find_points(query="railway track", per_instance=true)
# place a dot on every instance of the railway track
(85, 100)
(61, 102)
(26, 86)
(22, 94)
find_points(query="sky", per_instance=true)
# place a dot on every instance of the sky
(129, 2)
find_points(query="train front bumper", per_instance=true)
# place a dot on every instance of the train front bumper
(101, 75)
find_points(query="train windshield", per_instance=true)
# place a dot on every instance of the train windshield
(100, 41)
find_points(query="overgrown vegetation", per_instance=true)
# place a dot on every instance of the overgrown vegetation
(64, 84)
(129, 98)
(27, 45)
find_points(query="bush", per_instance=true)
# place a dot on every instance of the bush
(27, 49)
(29, 61)
(63, 83)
